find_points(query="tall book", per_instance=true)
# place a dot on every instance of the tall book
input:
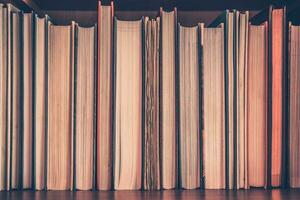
(60, 107)
(151, 158)
(40, 101)
(168, 127)
(189, 107)
(128, 118)
(257, 105)
(4, 95)
(105, 97)
(16, 103)
(242, 34)
(228, 18)
(84, 107)
(10, 58)
(277, 112)
(212, 44)
(27, 86)
(294, 106)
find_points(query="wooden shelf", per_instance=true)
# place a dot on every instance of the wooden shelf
(255, 194)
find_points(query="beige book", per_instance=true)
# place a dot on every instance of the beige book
(228, 17)
(294, 106)
(3, 94)
(84, 108)
(212, 42)
(16, 131)
(105, 91)
(241, 114)
(39, 125)
(12, 125)
(60, 93)
(168, 101)
(27, 100)
(128, 105)
(151, 115)
(189, 96)
(257, 105)
(229, 48)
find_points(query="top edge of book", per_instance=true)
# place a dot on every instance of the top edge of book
(130, 21)
(188, 27)
(100, 3)
(162, 11)
(12, 8)
(223, 17)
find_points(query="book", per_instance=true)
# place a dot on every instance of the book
(168, 102)
(189, 109)
(294, 105)
(84, 107)
(277, 80)
(151, 157)
(16, 102)
(128, 105)
(242, 20)
(10, 128)
(213, 105)
(4, 95)
(257, 105)
(60, 107)
(40, 101)
(105, 97)
(27, 84)
(228, 18)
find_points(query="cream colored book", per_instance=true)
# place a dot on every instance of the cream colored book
(257, 106)
(228, 18)
(151, 114)
(294, 106)
(104, 99)
(212, 42)
(85, 108)
(16, 117)
(40, 97)
(189, 107)
(128, 105)
(60, 107)
(3, 94)
(27, 86)
(168, 101)
(242, 20)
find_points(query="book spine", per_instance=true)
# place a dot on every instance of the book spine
(47, 29)
(114, 78)
(143, 99)
(113, 89)
(34, 83)
(285, 108)
(160, 95)
(177, 111)
(98, 164)
(94, 184)
(269, 104)
(200, 60)
(74, 97)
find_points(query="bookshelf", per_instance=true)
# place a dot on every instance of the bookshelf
(190, 12)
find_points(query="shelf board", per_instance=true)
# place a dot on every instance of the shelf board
(255, 194)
